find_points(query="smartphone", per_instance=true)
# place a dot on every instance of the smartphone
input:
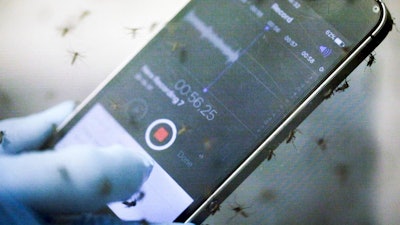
(218, 89)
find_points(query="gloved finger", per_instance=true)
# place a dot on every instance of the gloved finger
(28, 133)
(74, 179)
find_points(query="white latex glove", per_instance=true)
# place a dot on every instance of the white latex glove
(77, 179)
(72, 180)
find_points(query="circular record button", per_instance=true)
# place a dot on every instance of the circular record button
(161, 134)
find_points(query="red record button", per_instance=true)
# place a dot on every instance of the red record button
(160, 134)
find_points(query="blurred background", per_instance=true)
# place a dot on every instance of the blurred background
(342, 168)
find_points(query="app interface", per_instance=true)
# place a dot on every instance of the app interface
(205, 92)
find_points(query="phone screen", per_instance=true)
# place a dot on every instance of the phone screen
(211, 86)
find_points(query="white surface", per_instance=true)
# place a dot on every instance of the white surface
(35, 58)
(303, 186)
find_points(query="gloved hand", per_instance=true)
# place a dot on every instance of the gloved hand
(76, 179)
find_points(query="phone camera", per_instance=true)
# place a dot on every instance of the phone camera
(376, 9)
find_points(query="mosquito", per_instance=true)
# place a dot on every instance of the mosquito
(239, 210)
(2, 133)
(371, 59)
(322, 144)
(292, 136)
(134, 202)
(214, 207)
(66, 30)
(84, 14)
(343, 87)
(64, 174)
(153, 26)
(130, 203)
(175, 46)
(133, 31)
(395, 25)
(171, 28)
(114, 105)
(208, 143)
(329, 94)
(270, 154)
(183, 129)
(75, 56)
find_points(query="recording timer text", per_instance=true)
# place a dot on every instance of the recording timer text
(196, 100)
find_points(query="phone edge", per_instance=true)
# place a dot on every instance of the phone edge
(303, 111)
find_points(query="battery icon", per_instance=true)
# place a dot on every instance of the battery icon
(339, 42)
